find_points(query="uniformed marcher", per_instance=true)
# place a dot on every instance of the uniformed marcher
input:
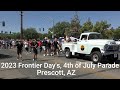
(19, 45)
(34, 46)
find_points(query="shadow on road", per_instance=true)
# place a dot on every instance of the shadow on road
(3, 56)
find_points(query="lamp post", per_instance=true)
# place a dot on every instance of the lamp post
(21, 35)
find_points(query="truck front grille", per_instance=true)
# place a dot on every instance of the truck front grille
(112, 48)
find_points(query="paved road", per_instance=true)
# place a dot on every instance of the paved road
(63, 68)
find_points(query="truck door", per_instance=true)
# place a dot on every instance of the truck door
(82, 44)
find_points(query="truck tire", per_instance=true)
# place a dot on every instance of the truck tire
(96, 57)
(68, 54)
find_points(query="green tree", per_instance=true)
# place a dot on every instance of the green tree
(75, 27)
(75, 23)
(87, 26)
(59, 29)
(116, 34)
(30, 33)
(108, 34)
(101, 27)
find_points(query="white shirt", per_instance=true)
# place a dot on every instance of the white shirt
(26, 44)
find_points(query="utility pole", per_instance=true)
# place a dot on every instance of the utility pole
(53, 30)
(21, 35)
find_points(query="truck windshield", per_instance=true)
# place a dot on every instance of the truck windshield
(95, 36)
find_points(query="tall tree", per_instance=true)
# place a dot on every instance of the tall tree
(30, 33)
(108, 34)
(59, 29)
(75, 26)
(87, 26)
(101, 27)
(116, 34)
(75, 23)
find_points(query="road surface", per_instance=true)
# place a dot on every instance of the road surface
(52, 67)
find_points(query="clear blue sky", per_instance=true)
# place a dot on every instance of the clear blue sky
(40, 19)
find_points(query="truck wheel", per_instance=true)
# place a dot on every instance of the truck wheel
(96, 57)
(68, 54)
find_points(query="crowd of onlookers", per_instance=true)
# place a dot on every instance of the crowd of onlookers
(7, 43)
(47, 46)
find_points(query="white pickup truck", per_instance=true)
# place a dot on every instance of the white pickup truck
(90, 43)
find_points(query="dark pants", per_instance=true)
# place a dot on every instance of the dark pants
(26, 49)
(35, 51)
(40, 49)
(19, 51)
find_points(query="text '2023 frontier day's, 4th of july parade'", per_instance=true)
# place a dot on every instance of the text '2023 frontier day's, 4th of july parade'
(56, 68)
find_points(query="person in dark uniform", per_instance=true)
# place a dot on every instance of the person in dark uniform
(34, 46)
(19, 45)
(56, 44)
(48, 47)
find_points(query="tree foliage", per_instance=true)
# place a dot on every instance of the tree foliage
(75, 23)
(30, 33)
(101, 27)
(116, 34)
(59, 29)
(87, 26)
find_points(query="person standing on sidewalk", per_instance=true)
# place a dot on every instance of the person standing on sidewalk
(19, 45)
(34, 46)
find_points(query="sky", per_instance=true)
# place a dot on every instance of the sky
(45, 19)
